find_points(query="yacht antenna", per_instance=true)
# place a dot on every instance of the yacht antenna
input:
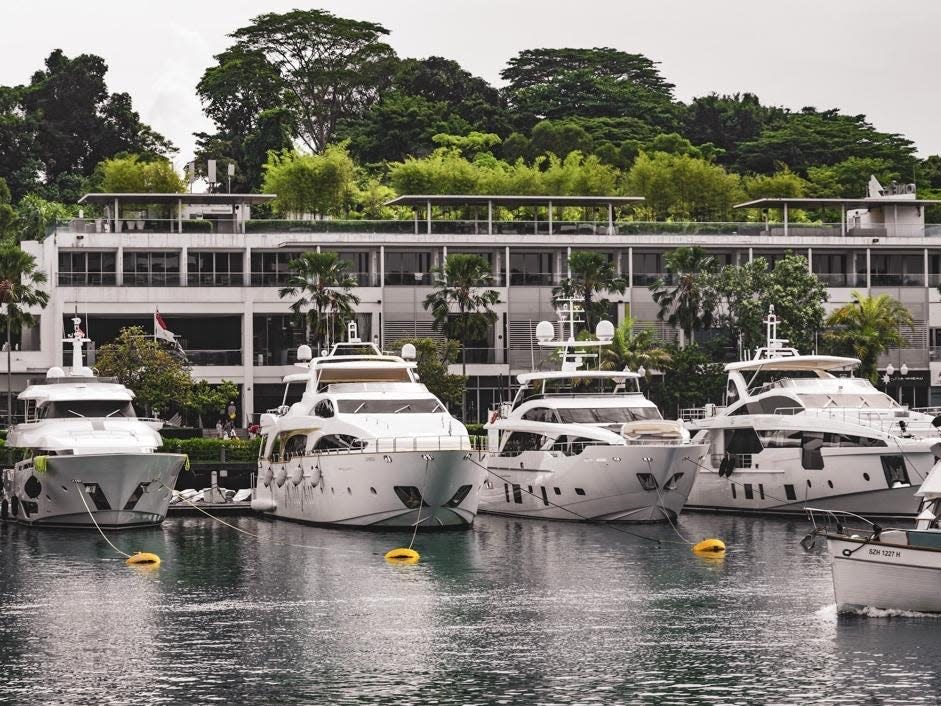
(771, 323)
(76, 339)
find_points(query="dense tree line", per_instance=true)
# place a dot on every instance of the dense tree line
(309, 99)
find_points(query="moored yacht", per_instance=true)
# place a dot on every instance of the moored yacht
(580, 444)
(794, 433)
(367, 445)
(85, 453)
(885, 568)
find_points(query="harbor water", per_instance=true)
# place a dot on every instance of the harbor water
(512, 612)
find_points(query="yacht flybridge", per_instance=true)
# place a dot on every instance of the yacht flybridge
(85, 452)
(795, 432)
(586, 444)
(367, 445)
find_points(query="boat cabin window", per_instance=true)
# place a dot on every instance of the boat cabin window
(323, 409)
(339, 442)
(811, 457)
(773, 404)
(607, 415)
(731, 393)
(391, 406)
(572, 445)
(873, 400)
(896, 474)
(519, 441)
(742, 441)
(540, 414)
(72, 409)
(295, 445)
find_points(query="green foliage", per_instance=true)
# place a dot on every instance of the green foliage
(849, 178)
(726, 121)
(36, 216)
(159, 379)
(683, 187)
(138, 174)
(693, 379)
(685, 296)
(781, 184)
(866, 328)
(323, 287)
(631, 350)
(432, 358)
(746, 293)
(206, 450)
(21, 284)
(203, 399)
(591, 274)
(331, 68)
(310, 183)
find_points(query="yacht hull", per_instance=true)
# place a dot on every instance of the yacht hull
(121, 490)
(852, 480)
(885, 576)
(359, 489)
(603, 483)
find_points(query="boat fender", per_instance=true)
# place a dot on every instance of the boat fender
(281, 476)
(40, 464)
(266, 476)
(315, 476)
(4, 509)
(936, 422)
(14, 506)
(402, 555)
(297, 475)
(263, 505)
(709, 546)
(143, 559)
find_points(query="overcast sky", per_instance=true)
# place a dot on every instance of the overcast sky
(861, 56)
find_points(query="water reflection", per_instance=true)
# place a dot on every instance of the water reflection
(512, 612)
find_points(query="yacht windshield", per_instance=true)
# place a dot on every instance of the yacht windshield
(87, 408)
(872, 400)
(419, 406)
(607, 415)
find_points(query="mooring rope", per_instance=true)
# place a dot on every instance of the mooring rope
(81, 495)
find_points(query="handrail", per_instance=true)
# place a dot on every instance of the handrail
(395, 444)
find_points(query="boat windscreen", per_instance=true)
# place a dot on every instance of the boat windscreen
(872, 400)
(72, 409)
(390, 406)
(607, 415)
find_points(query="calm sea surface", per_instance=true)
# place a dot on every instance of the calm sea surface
(513, 612)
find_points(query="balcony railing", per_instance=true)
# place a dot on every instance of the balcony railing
(151, 279)
(214, 357)
(87, 279)
(481, 227)
(534, 279)
(280, 279)
(842, 279)
(897, 279)
(420, 279)
(215, 279)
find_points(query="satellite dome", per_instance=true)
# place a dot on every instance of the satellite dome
(545, 331)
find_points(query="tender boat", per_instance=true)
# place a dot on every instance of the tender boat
(366, 446)
(579, 444)
(890, 569)
(795, 433)
(86, 454)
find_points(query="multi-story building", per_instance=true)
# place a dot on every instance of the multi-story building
(214, 274)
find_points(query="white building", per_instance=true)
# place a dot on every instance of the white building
(213, 272)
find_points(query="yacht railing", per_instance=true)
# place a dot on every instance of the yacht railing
(894, 422)
(693, 414)
(738, 460)
(397, 444)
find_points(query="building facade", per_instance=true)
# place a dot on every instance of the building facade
(214, 274)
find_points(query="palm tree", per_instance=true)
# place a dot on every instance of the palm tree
(867, 327)
(19, 278)
(323, 287)
(685, 299)
(630, 350)
(591, 273)
(460, 285)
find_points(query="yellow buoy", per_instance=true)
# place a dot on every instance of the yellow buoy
(402, 555)
(709, 546)
(143, 559)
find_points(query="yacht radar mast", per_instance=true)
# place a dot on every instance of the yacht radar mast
(77, 339)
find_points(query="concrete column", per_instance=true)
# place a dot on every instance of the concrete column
(868, 269)
(630, 267)
(550, 218)
(751, 254)
(810, 260)
(184, 266)
(248, 362)
(610, 219)
(247, 267)
(489, 217)
(119, 266)
(843, 219)
(179, 216)
(925, 268)
(785, 219)
(428, 217)
(117, 215)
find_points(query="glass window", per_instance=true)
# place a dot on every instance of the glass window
(519, 441)
(532, 268)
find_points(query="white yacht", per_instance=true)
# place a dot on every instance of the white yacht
(586, 444)
(84, 451)
(795, 433)
(367, 446)
(884, 568)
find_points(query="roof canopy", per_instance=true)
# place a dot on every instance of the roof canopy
(832, 203)
(796, 362)
(174, 199)
(576, 374)
(504, 200)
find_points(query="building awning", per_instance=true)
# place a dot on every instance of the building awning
(174, 199)
(507, 201)
(832, 203)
